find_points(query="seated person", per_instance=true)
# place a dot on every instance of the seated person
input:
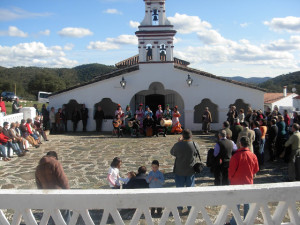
(148, 122)
(26, 135)
(135, 125)
(159, 116)
(117, 123)
(140, 181)
(31, 131)
(8, 143)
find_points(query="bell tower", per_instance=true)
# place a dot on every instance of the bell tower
(155, 34)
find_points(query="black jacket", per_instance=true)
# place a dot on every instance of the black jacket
(272, 134)
(140, 181)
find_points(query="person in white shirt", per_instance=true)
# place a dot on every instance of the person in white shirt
(113, 176)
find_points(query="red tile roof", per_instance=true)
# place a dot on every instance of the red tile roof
(297, 97)
(274, 97)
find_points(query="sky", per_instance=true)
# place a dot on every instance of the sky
(248, 38)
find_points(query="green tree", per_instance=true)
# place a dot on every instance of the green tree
(45, 82)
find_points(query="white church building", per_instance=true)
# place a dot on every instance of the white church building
(155, 77)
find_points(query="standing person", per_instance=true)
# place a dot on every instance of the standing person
(39, 127)
(64, 115)
(206, 120)
(52, 121)
(246, 132)
(59, 123)
(231, 115)
(257, 142)
(185, 154)
(50, 174)
(156, 180)
(84, 117)
(113, 175)
(287, 120)
(236, 129)
(75, 118)
(264, 129)
(2, 106)
(159, 116)
(226, 127)
(140, 114)
(242, 167)
(148, 112)
(99, 116)
(272, 137)
(37, 112)
(294, 142)
(241, 116)
(45, 115)
(16, 106)
(281, 137)
(222, 153)
(176, 126)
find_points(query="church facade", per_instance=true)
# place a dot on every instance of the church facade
(155, 77)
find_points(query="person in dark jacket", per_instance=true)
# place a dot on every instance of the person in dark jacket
(16, 106)
(281, 137)
(84, 117)
(185, 152)
(236, 129)
(257, 142)
(75, 118)
(45, 115)
(64, 115)
(272, 136)
(99, 116)
(222, 152)
(140, 181)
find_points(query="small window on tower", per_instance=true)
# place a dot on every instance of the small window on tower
(149, 52)
(155, 20)
(163, 52)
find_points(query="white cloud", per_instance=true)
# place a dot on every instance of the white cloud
(76, 32)
(68, 47)
(34, 54)
(243, 25)
(289, 24)
(103, 46)
(13, 32)
(285, 45)
(211, 37)
(185, 24)
(44, 32)
(134, 24)
(124, 39)
(113, 11)
(114, 43)
(17, 13)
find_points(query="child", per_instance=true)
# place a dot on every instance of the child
(155, 180)
(127, 179)
(113, 173)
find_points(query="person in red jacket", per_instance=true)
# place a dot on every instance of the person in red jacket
(2, 106)
(242, 167)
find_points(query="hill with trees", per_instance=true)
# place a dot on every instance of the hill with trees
(276, 84)
(30, 80)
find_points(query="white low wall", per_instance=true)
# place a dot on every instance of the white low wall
(287, 195)
(25, 113)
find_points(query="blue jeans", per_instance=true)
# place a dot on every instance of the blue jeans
(184, 181)
(3, 151)
(246, 209)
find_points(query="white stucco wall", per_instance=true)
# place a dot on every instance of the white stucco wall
(219, 92)
(296, 103)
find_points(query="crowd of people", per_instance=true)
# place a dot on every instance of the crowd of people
(145, 122)
(19, 137)
(271, 131)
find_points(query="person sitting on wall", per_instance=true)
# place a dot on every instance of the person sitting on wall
(117, 123)
(8, 143)
(26, 135)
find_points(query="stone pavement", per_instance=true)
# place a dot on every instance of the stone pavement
(86, 158)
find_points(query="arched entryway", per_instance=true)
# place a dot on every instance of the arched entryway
(158, 95)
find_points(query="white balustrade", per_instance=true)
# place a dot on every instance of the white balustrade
(287, 195)
(11, 118)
